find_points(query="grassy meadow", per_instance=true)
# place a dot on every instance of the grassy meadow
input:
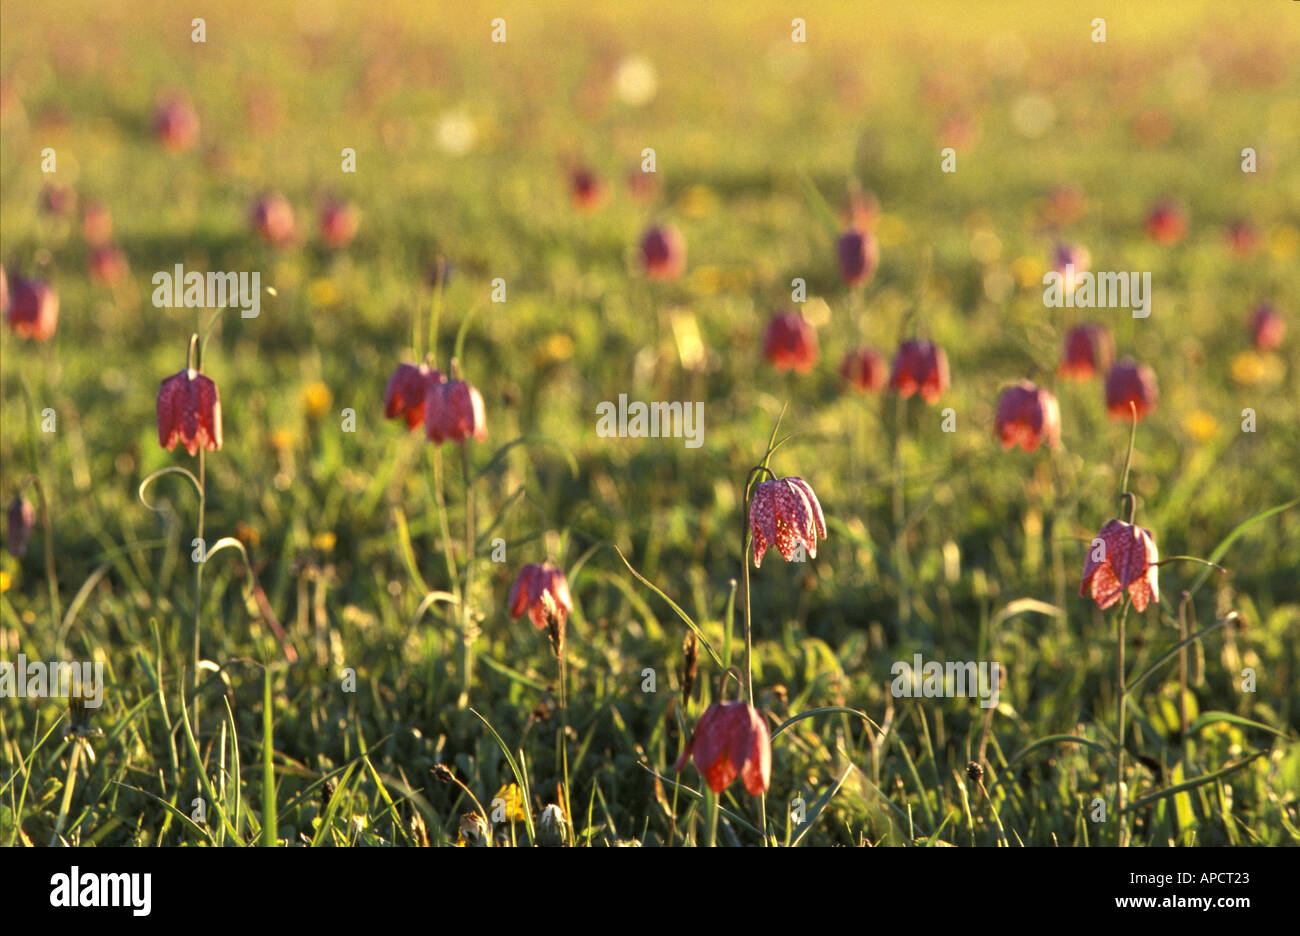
(939, 543)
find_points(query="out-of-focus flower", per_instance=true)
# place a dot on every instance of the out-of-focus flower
(1267, 327)
(663, 252)
(1088, 351)
(175, 124)
(1027, 415)
(542, 591)
(189, 411)
(96, 224)
(316, 399)
(642, 184)
(920, 366)
(511, 801)
(1122, 557)
(108, 265)
(731, 739)
(1071, 261)
(1167, 223)
(858, 255)
(1243, 238)
(1252, 367)
(453, 412)
(785, 513)
(586, 189)
(790, 343)
(338, 223)
(1200, 425)
(324, 542)
(408, 389)
(20, 520)
(864, 370)
(1130, 382)
(33, 309)
(273, 219)
(861, 209)
(1064, 205)
(57, 200)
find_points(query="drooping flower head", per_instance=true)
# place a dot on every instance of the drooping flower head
(408, 390)
(1027, 415)
(108, 265)
(920, 366)
(542, 591)
(1267, 327)
(586, 189)
(338, 223)
(58, 200)
(785, 513)
(858, 254)
(1130, 382)
(864, 370)
(1167, 223)
(1121, 558)
(20, 520)
(454, 412)
(1071, 261)
(273, 219)
(663, 252)
(731, 740)
(189, 412)
(33, 309)
(790, 343)
(175, 124)
(1088, 351)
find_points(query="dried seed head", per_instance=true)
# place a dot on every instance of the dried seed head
(442, 773)
(974, 772)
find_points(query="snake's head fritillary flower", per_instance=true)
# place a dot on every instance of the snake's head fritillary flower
(338, 223)
(643, 185)
(57, 200)
(785, 513)
(864, 370)
(731, 740)
(408, 389)
(1243, 238)
(1027, 415)
(96, 224)
(1167, 223)
(176, 125)
(663, 252)
(542, 591)
(189, 412)
(1130, 382)
(861, 209)
(1071, 261)
(586, 189)
(920, 366)
(33, 309)
(1267, 327)
(453, 412)
(858, 254)
(273, 219)
(107, 265)
(1121, 558)
(20, 520)
(1088, 351)
(790, 343)
(1065, 204)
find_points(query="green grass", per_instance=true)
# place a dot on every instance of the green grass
(342, 529)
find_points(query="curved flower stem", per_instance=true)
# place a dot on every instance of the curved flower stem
(1128, 463)
(467, 621)
(746, 546)
(198, 579)
(1119, 730)
(900, 516)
